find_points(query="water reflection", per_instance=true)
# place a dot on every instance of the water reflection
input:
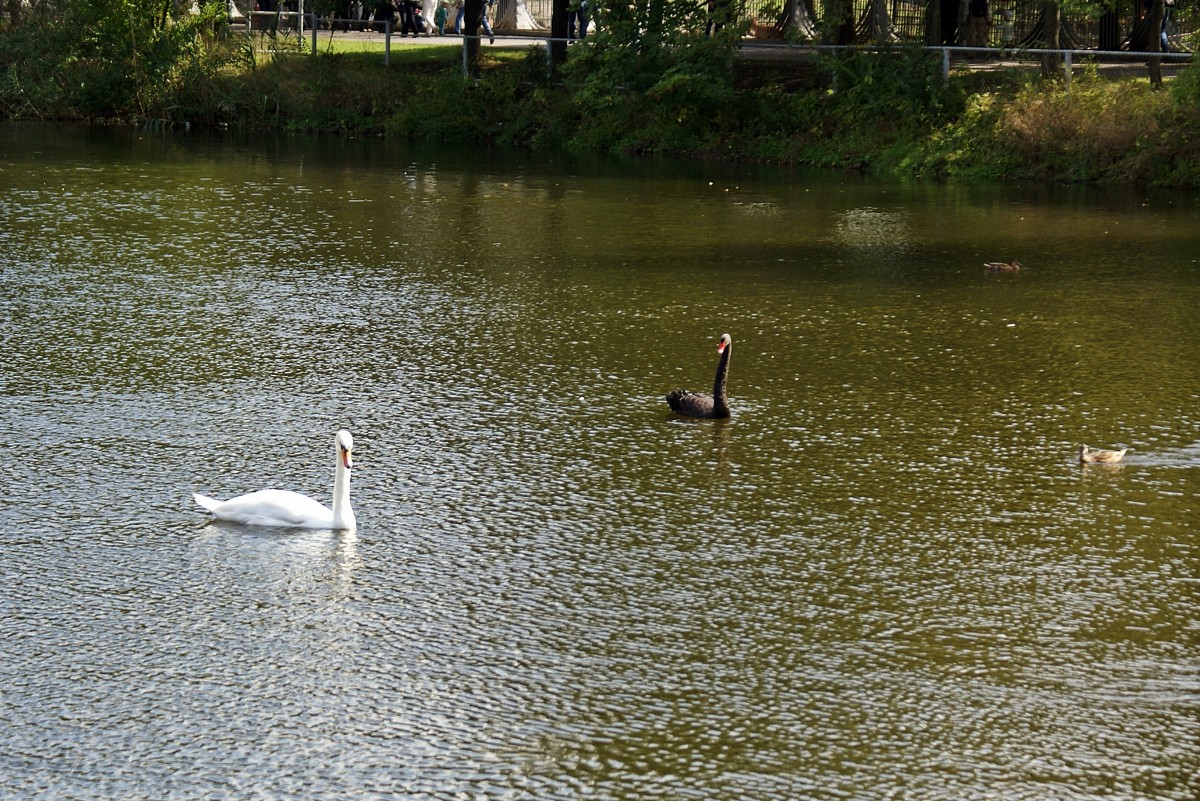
(304, 563)
(887, 574)
(871, 228)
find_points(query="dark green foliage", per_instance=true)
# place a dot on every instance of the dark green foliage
(663, 93)
(1177, 157)
(881, 102)
(903, 86)
(104, 58)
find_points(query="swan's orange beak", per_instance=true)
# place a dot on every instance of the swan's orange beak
(346, 459)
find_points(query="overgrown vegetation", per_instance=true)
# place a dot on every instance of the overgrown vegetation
(679, 92)
(89, 58)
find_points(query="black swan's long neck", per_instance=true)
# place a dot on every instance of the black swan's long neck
(720, 398)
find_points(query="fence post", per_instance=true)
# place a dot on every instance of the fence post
(1067, 67)
(945, 64)
(313, 27)
(387, 42)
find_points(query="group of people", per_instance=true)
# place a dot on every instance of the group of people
(411, 15)
(412, 18)
(408, 15)
(979, 21)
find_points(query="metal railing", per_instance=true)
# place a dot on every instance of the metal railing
(1069, 59)
(302, 30)
(909, 20)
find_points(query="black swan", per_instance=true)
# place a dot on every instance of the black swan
(695, 404)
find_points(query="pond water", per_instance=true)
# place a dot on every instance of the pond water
(886, 576)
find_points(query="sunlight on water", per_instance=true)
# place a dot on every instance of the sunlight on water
(885, 576)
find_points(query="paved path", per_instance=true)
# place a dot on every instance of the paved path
(764, 50)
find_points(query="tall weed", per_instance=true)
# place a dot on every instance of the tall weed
(1084, 133)
(1097, 129)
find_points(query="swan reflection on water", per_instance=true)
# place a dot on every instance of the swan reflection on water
(265, 557)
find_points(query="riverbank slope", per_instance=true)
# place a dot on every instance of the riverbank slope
(889, 113)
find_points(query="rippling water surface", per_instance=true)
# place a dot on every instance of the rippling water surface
(884, 577)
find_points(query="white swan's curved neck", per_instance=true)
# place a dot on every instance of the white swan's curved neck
(343, 514)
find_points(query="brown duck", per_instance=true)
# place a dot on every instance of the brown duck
(1099, 455)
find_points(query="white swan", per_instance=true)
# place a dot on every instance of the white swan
(287, 508)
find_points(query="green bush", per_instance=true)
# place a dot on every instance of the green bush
(1095, 130)
(666, 91)
(106, 57)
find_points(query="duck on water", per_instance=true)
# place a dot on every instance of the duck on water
(1100, 455)
(696, 404)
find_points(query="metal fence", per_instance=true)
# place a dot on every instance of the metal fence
(301, 32)
(911, 20)
(931, 22)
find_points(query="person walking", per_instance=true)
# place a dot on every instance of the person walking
(408, 18)
(979, 19)
(1008, 28)
(440, 17)
(483, 19)
(577, 14)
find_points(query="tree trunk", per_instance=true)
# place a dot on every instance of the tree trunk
(559, 11)
(1051, 26)
(1110, 31)
(946, 14)
(881, 23)
(1147, 38)
(514, 15)
(838, 25)
(14, 13)
(472, 14)
(797, 20)
(656, 10)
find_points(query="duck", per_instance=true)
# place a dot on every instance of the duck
(697, 404)
(1099, 455)
(1003, 266)
(274, 507)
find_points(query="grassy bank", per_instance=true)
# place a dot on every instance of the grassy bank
(892, 113)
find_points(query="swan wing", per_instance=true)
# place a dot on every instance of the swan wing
(208, 503)
(270, 508)
(693, 404)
